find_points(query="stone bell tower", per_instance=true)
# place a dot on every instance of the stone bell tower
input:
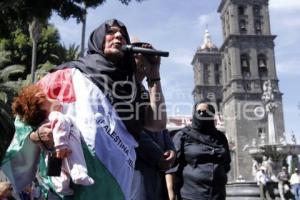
(248, 61)
(208, 72)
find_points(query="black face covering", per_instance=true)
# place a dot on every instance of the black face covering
(204, 120)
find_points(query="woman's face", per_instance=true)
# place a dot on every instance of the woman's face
(205, 107)
(114, 40)
(202, 107)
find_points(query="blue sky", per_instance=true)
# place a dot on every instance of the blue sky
(178, 27)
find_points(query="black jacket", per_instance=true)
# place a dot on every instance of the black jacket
(203, 161)
(148, 180)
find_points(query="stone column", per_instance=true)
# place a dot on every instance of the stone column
(271, 64)
(271, 128)
(212, 74)
(253, 63)
(266, 20)
(201, 78)
(250, 20)
(228, 75)
(236, 61)
(233, 19)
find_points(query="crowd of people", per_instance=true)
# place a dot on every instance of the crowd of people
(94, 129)
(288, 185)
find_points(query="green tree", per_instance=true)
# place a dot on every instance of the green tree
(16, 49)
(36, 12)
(71, 53)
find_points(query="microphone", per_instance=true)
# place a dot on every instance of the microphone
(146, 51)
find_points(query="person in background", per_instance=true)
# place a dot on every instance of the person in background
(101, 95)
(263, 181)
(295, 183)
(203, 158)
(153, 159)
(155, 153)
(283, 182)
(255, 168)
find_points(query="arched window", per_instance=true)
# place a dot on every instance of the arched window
(245, 65)
(206, 74)
(257, 27)
(217, 74)
(262, 61)
(247, 85)
(243, 26)
(256, 10)
(260, 131)
(262, 65)
(241, 10)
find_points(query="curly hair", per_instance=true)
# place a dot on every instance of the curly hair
(28, 105)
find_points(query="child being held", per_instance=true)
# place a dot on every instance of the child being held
(33, 107)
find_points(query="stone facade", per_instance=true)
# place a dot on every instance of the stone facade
(246, 60)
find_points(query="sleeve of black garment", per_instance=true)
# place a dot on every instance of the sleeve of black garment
(169, 145)
(148, 150)
(227, 155)
(177, 140)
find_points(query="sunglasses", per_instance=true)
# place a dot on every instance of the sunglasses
(205, 113)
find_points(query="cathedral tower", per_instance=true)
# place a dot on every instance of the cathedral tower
(247, 62)
(208, 71)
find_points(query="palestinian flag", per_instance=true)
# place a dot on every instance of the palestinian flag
(109, 149)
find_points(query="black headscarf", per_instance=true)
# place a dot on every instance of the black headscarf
(204, 120)
(126, 94)
(203, 128)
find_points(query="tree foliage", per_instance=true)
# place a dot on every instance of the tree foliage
(126, 2)
(20, 12)
(16, 48)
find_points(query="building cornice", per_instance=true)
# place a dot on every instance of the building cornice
(206, 56)
(236, 40)
(250, 2)
(243, 96)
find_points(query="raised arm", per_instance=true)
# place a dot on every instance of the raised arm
(149, 67)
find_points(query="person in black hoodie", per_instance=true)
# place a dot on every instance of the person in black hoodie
(203, 158)
(155, 153)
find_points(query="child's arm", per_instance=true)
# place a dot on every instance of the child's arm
(61, 130)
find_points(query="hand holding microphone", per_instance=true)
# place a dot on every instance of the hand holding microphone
(147, 60)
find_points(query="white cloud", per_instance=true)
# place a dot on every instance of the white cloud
(208, 19)
(290, 67)
(212, 22)
(287, 21)
(285, 14)
(285, 5)
(203, 20)
(182, 57)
